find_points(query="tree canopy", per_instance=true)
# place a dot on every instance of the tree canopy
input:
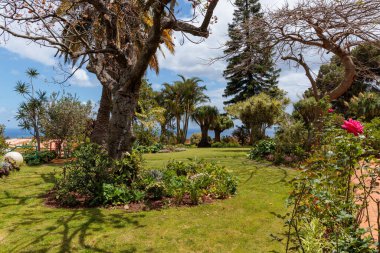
(325, 26)
(118, 41)
(205, 116)
(250, 68)
(258, 113)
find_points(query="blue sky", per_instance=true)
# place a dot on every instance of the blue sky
(190, 59)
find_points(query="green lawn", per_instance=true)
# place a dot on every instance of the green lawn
(243, 223)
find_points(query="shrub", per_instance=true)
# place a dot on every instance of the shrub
(38, 158)
(262, 149)
(326, 213)
(225, 145)
(199, 178)
(195, 138)
(241, 134)
(116, 195)
(3, 144)
(366, 105)
(226, 142)
(373, 134)
(230, 139)
(91, 171)
(94, 179)
(155, 148)
(290, 140)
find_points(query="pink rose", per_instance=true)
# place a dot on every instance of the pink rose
(353, 126)
(331, 110)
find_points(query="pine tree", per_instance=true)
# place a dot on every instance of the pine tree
(250, 68)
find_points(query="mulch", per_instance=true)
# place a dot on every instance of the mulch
(51, 201)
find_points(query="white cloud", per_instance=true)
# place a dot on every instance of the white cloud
(216, 97)
(30, 50)
(295, 83)
(81, 79)
(191, 59)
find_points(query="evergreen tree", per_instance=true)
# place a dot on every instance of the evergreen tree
(250, 68)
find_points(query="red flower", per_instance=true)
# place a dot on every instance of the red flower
(331, 110)
(353, 126)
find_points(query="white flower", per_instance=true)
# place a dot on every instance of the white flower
(329, 154)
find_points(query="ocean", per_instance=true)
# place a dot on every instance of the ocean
(11, 133)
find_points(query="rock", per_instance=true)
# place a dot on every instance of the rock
(15, 156)
(180, 149)
(164, 151)
(126, 207)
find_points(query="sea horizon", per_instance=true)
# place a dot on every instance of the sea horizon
(13, 133)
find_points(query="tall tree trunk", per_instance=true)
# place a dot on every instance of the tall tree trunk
(121, 138)
(38, 139)
(164, 132)
(349, 76)
(100, 132)
(204, 140)
(185, 128)
(251, 136)
(217, 135)
(179, 136)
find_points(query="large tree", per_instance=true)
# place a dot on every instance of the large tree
(324, 26)
(250, 68)
(118, 39)
(205, 116)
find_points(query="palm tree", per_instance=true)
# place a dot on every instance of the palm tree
(193, 96)
(205, 116)
(30, 112)
(181, 99)
(32, 73)
(222, 123)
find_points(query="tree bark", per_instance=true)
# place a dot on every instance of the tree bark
(217, 135)
(38, 139)
(100, 133)
(349, 76)
(121, 138)
(163, 135)
(204, 140)
(179, 135)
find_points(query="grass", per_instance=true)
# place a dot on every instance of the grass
(243, 223)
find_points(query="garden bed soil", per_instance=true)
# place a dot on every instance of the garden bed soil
(52, 202)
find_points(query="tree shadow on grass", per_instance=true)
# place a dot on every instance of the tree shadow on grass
(74, 228)
(61, 230)
(283, 178)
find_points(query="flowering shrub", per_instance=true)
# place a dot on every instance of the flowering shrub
(326, 213)
(353, 126)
